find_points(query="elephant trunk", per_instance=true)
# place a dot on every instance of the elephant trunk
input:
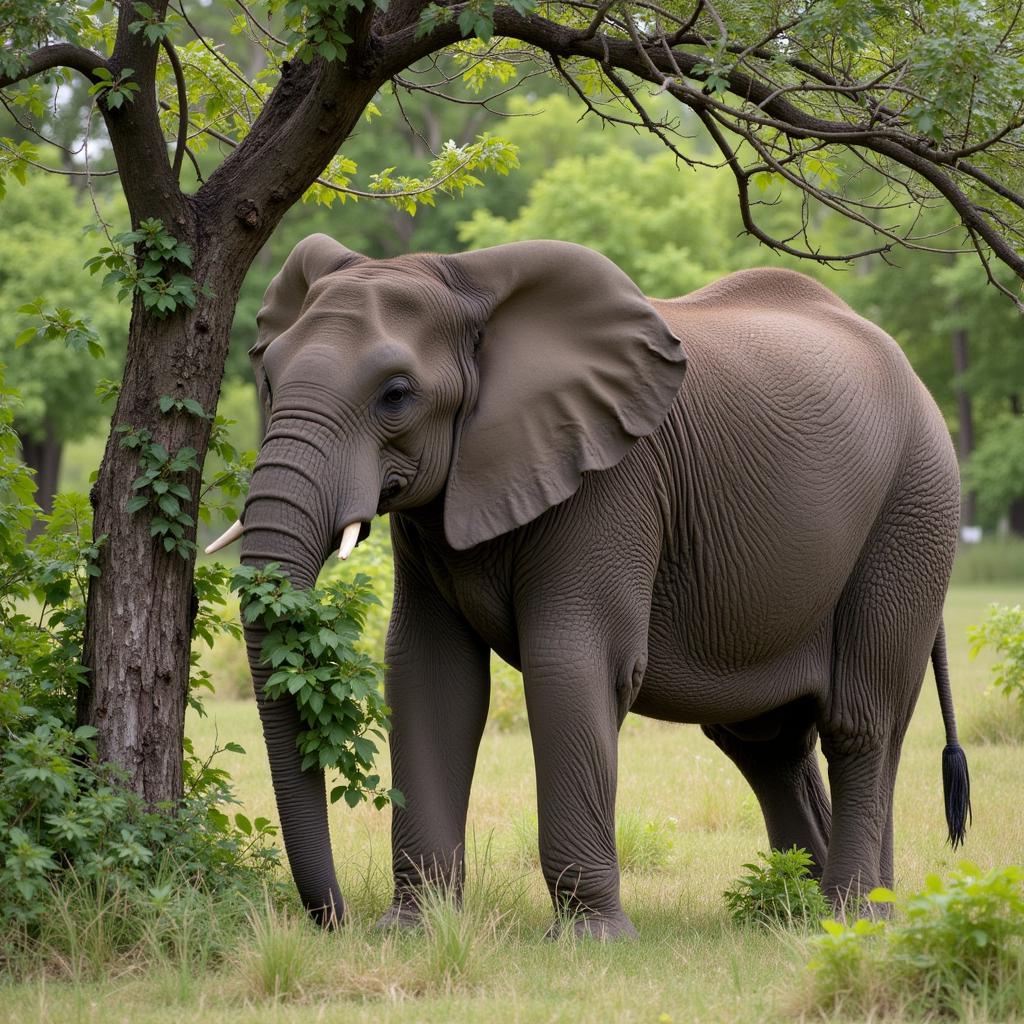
(291, 518)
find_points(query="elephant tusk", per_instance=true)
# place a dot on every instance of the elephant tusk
(348, 540)
(229, 536)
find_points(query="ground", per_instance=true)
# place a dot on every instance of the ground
(690, 963)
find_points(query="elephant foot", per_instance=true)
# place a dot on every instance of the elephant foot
(403, 914)
(600, 927)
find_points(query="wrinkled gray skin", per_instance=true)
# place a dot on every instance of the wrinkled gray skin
(763, 549)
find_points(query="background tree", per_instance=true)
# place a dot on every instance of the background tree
(928, 97)
(56, 379)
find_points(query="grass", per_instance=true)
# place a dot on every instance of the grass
(490, 961)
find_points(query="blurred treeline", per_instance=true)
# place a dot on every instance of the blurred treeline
(672, 228)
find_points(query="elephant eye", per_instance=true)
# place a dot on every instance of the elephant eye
(395, 394)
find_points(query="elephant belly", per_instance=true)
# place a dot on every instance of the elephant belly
(682, 686)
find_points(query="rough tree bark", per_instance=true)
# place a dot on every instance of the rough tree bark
(139, 617)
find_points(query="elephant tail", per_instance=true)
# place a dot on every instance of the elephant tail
(956, 780)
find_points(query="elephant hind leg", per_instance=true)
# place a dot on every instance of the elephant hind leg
(782, 769)
(884, 628)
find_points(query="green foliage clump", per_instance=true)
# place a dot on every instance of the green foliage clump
(61, 813)
(1003, 631)
(643, 844)
(159, 488)
(67, 823)
(310, 644)
(995, 470)
(76, 335)
(155, 275)
(778, 892)
(955, 942)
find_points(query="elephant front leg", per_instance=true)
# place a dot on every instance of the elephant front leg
(573, 711)
(438, 691)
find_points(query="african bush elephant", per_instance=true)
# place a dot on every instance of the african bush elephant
(762, 549)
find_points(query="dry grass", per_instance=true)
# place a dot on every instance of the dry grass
(491, 962)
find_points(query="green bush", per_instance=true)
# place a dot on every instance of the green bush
(310, 645)
(1003, 631)
(954, 944)
(779, 891)
(70, 832)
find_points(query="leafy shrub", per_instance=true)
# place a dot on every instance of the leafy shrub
(954, 942)
(780, 891)
(66, 820)
(310, 644)
(58, 812)
(1003, 631)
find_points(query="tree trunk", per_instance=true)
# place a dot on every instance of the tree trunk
(1016, 512)
(141, 607)
(43, 458)
(965, 419)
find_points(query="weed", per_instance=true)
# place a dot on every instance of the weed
(780, 891)
(1003, 630)
(955, 947)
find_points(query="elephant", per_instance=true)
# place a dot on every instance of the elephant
(736, 509)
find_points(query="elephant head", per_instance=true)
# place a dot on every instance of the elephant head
(488, 381)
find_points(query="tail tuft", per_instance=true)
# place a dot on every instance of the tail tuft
(956, 787)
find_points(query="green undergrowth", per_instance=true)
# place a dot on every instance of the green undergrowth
(89, 873)
(777, 892)
(954, 949)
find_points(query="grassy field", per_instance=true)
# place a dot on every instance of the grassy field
(687, 807)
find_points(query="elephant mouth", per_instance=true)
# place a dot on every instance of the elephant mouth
(388, 494)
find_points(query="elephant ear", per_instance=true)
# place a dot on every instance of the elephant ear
(314, 257)
(574, 367)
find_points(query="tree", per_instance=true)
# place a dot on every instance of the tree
(56, 384)
(928, 96)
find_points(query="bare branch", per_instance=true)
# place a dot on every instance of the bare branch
(56, 170)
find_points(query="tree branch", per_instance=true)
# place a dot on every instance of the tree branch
(59, 55)
(179, 81)
(762, 106)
